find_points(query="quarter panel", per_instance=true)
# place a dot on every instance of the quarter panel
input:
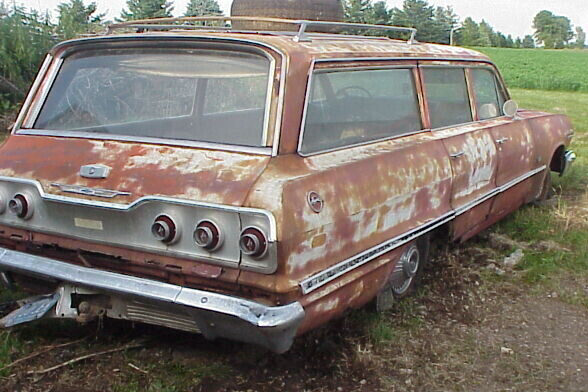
(371, 193)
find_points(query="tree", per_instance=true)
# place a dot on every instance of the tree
(75, 18)
(379, 13)
(420, 15)
(580, 38)
(552, 30)
(528, 42)
(203, 8)
(357, 11)
(25, 38)
(518, 43)
(469, 34)
(487, 35)
(445, 20)
(142, 9)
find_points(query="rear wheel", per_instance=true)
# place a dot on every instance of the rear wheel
(406, 275)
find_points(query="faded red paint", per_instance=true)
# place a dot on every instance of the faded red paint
(371, 193)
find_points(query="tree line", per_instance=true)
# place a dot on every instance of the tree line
(26, 35)
(436, 24)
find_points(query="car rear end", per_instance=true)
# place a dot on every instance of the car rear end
(123, 187)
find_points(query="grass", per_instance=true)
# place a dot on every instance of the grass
(567, 222)
(543, 69)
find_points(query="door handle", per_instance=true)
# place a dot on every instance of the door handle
(457, 154)
(502, 140)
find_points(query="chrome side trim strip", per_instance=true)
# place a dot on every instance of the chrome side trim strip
(272, 235)
(271, 326)
(345, 266)
(322, 278)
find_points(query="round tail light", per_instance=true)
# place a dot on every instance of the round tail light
(21, 206)
(253, 242)
(165, 229)
(207, 235)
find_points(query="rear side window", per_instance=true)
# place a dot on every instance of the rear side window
(357, 106)
(447, 96)
(488, 99)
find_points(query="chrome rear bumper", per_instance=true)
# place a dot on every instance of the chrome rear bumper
(214, 315)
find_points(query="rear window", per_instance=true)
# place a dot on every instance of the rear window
(197, 95)
(357, 106)
(488, 100)
(447, 96)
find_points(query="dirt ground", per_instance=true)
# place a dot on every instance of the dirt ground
(466, 330)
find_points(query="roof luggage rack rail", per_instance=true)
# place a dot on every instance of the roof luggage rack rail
(300, 36)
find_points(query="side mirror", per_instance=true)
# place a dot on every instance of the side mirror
(510, 108)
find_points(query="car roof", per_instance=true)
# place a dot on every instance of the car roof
(318, 46)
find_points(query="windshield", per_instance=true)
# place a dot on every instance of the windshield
(198, 95)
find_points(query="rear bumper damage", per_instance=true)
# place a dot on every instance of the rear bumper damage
(128, 297)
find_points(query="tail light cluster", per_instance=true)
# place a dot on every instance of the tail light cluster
(209, 236)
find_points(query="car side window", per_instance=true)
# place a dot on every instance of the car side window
(488, 100)
(447, 96)
(351, 107)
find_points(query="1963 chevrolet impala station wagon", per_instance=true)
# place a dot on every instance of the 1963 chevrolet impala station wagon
(254, 185)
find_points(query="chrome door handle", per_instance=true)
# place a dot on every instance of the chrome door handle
(502, 140)
(457, 154)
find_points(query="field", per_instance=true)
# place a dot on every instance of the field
(469, 328)
(560, 70)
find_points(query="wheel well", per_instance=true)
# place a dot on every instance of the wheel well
(557, 163)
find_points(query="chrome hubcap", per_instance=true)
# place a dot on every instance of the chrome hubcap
(405, 270)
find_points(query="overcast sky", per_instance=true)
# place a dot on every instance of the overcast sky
(507, 16)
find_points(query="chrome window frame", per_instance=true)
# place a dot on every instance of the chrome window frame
(31, 109)
(367, 67)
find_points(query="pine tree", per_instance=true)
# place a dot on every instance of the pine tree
(418, 14)
(203, 8)
(469, 34)
(25, 38)
(445, 20)
(357, 11)
(380, 14)
(142, 9)
(487, 35)
(75, 18)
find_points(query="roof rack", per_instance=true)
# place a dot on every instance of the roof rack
(301, 36)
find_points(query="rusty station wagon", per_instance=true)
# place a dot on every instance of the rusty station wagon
(253, 185)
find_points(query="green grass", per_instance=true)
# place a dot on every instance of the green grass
(543, 69)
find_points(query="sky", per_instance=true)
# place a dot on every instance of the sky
(507, 16)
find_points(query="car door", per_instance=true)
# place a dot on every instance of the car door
(470, 148)
(512, 137)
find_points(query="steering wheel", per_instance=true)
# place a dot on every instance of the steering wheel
(344, 91)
